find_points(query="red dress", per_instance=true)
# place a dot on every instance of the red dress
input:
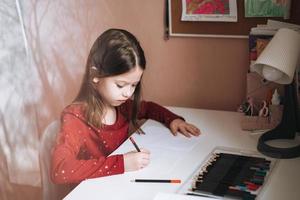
(82, 150)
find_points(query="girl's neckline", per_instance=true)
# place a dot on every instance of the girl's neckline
(83, 104)
(116, 118)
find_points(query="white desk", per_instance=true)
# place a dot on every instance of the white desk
(178, 157)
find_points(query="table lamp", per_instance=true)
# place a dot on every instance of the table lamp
(278, 63)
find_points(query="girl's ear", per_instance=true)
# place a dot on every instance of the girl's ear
(95, 80)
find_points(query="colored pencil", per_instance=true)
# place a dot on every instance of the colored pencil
(134, 144)
(157, 180)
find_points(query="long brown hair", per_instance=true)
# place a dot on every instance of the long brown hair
(114, 52)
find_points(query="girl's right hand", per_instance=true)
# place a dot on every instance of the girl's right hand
(134, 160)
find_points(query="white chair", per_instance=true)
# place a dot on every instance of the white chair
(51, 191)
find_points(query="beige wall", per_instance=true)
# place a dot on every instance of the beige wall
(196, 72)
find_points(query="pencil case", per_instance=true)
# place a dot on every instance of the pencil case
(229, 173)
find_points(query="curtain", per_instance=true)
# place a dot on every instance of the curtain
(43, 47)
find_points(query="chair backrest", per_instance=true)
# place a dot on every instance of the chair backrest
(51, 191)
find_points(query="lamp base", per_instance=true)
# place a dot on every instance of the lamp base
(287, 129)
(273, 151)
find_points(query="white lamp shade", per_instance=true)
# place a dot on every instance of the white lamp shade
(282, 54)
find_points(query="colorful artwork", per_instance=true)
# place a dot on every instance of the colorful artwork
(209, 10)
(267, 8)
(207, 7)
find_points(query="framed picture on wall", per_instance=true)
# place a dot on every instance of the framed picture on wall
(175, 26)
(268, 8)
(209, 10)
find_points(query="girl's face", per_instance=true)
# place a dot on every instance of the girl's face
(115, 90)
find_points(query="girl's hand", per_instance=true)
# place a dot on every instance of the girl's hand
(186, 129)
(134, 160)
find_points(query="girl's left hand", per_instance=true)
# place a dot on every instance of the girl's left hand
(186, 129)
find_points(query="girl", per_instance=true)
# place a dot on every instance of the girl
(97, 122)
